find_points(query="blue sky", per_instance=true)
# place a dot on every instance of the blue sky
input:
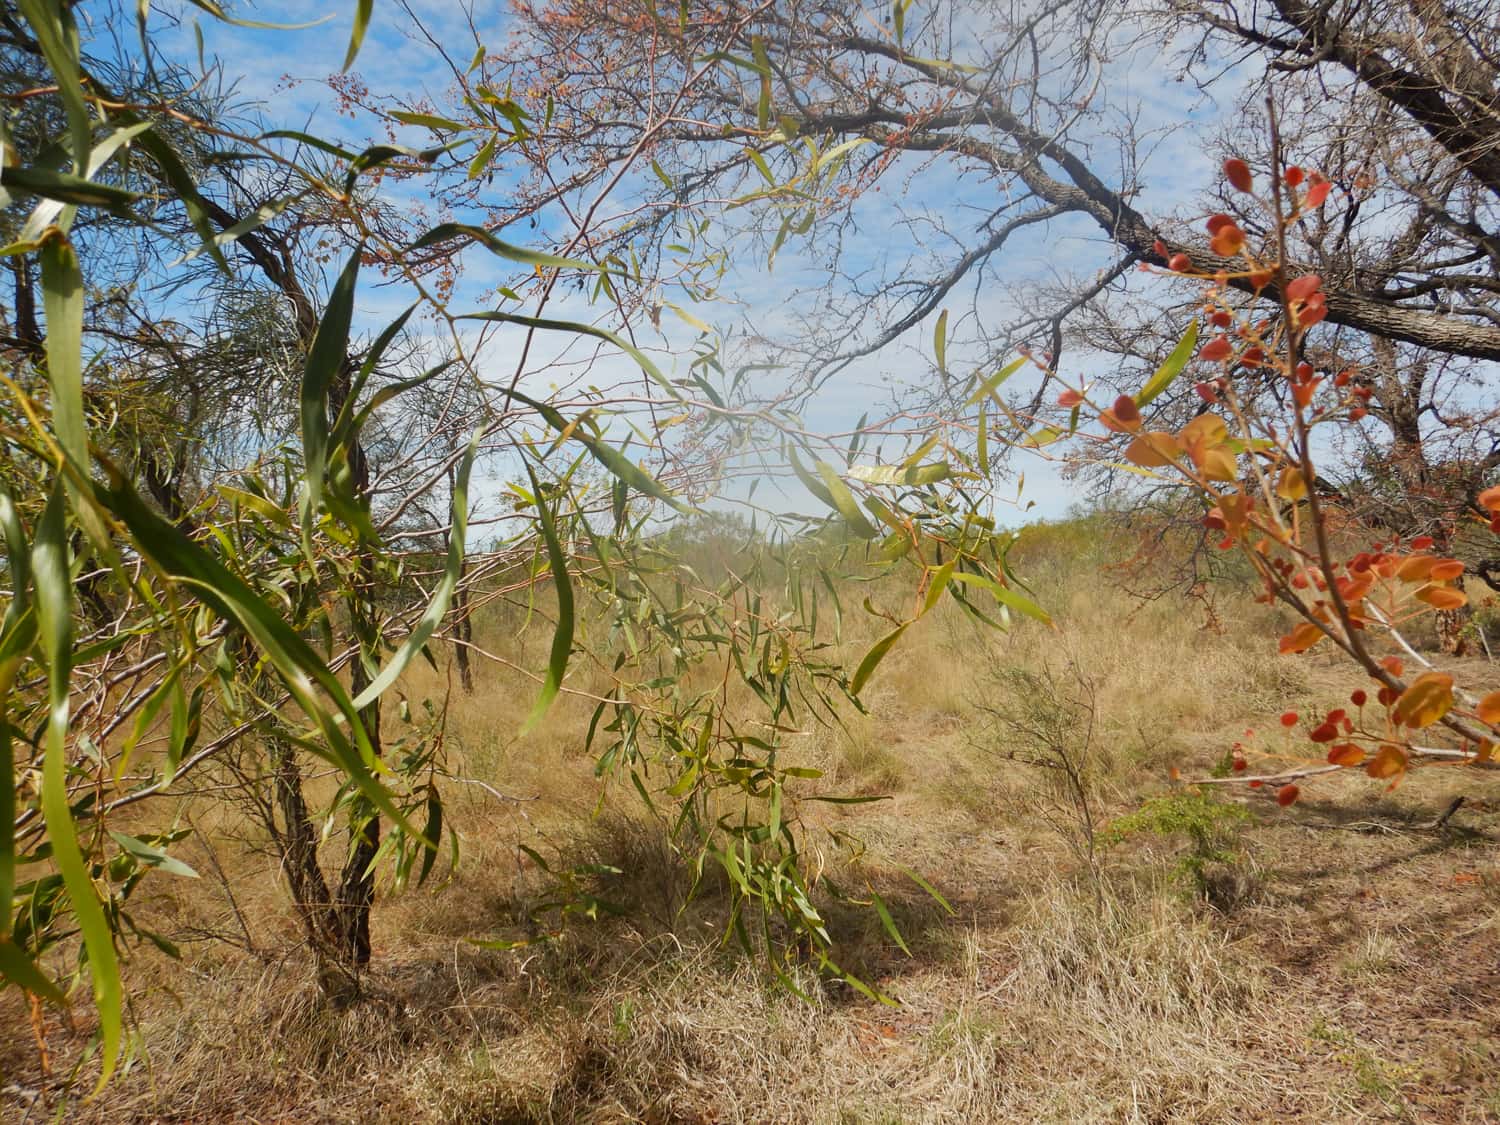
(285, 71)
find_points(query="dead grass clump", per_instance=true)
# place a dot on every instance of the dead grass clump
(1131, 953)
(1120, 1006)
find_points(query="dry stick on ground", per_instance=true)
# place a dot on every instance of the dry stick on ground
(1435, 825)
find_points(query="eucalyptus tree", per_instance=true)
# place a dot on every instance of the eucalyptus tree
(222, 503)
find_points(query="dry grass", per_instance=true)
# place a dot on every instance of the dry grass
(1354, 980)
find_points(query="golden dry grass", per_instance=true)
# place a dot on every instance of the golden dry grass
(1350, 976)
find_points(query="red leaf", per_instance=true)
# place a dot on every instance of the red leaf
(1303, 287)
(1237, 172)
(1216, 349)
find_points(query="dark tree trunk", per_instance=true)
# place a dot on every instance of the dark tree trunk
(1415, 511)
(463, 631)
(297, 841)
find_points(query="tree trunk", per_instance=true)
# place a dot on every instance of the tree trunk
(356, 892)
(1400, 393)
(297, 841)
(1452, 629)
(463, 631)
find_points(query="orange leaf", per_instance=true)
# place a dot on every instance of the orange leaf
(1446, 570)
(1303, 392)
(1415, 568)
(1204, 432)
(1489, 709)
(1301, 638)
(1354, 589)
(1153, 449)
(1389, 762)
(1489, 499)
(1228, 242)
(1346, 754)
(1429, 698)
(1442, 597)
(1234, 509)
(1219, 464)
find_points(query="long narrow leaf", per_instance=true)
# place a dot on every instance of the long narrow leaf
(992, 384)
(62, 298)
(362, 12)
(1170, 369)
(586, 330)
(889, 923)
(57, 35)
(1006, 596)
(562, 639)
(607, 455)
(66, 188)
(19, 969)
(54, 596)
(445, 232)
(843, 502)
(873, 658)
(329, 353)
